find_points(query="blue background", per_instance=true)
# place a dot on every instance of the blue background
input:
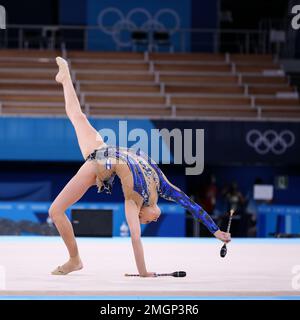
(99, 40)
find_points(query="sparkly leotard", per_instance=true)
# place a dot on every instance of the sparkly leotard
(142, 180)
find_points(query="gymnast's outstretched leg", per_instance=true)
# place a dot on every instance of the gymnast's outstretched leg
(88, 138)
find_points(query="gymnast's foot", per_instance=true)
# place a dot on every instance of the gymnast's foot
(63, 72)
(74, 264)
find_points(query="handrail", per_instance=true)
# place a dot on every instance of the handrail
(74, 27)
(247, 41)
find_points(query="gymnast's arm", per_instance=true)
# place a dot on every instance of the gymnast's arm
(172, 193)
(132, 217)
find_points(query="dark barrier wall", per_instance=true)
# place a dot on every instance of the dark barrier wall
(74, 16)
(246, 175)
(39, 181)
(43, 12)
(225, 142)
(241, 142)
(204, 15)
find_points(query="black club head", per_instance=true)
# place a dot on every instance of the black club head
(223, 251)
(179, 274)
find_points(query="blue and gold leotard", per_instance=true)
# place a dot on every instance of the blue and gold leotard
(145, 173)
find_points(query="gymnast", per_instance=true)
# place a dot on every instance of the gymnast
(142, 183)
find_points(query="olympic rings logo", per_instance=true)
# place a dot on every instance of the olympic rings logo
(137, 18)
(270, 140)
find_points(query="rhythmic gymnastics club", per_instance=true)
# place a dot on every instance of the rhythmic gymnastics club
(176, 274)
(223, 250)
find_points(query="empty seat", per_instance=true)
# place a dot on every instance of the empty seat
(105, 55)
(281, 113)
(269, 90)
(38, 97)
(255, 68)
(30, 86)
(110, 66)
(222, 100)
(119, 88)
(198, 79)
(204, 89)
(135, 111)
(187, 57)
(251, 58)
(27, 64)
(11, 53)
(200, 111)
(276, 102)
(193, 68)
(263, 80)
(123, 99)
(28, 75)
(33, 109)
(114, 77)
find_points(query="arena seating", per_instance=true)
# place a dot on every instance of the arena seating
(154, 85)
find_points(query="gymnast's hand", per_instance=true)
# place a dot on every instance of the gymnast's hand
(148, 275)
(223, 236)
